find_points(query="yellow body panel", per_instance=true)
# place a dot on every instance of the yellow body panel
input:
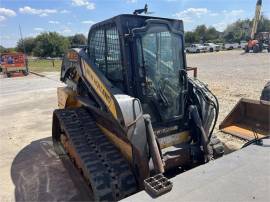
(174, 139)
(99, 88)
(124, 147)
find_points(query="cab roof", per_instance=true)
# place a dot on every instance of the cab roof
(125, 22)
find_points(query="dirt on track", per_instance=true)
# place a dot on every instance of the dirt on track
(232, 75)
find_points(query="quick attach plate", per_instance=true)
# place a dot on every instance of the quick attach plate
(157, 185)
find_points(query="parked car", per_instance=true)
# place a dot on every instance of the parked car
(243, 44)
(196, 48)
(211, 47)
(230, 46)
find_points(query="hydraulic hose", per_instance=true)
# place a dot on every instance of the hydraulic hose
(215, 103)
(193, 110)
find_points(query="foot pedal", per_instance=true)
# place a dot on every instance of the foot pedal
(157, 185)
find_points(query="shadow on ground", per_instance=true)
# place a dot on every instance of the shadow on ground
(39, 175)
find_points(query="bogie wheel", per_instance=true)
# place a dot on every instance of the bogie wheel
(211, 50)
(198, 51)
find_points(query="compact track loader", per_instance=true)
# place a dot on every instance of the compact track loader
(129, 112)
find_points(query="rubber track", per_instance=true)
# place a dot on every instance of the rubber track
(103, 166)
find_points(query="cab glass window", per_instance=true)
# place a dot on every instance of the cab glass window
(104, 50)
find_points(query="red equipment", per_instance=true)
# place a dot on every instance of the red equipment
(14, 64)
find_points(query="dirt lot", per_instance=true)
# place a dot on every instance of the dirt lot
(232, 75)
(29, 169)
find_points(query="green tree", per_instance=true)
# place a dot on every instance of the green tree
(2, 49)
(77, 39)
(191, 37)
(241, 29)
(6, 50)
(201, 32)
(51, 44)
(211, 34)
(29, 44)
(237, 31)
(264, 24)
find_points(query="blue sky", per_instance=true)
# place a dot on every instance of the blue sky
(76, 16)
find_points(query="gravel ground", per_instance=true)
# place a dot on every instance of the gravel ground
(232, 75)
(30, 170)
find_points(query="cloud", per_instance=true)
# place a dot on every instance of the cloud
(64, 11)
(206, 16)
(85, 3)
(66, 30)
(2, 18)
(39, 29)
(39, 12)
(44, 15)
(220, 26)
(7, 12)
(131, 1)
(228, 17)
(32, 34)
(54, 22)
(233, 12)
(189, 14)
(6, 37)
(213, 14)
(90, 22)
(193, 11)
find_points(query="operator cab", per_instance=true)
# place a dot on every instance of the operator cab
(143, 57)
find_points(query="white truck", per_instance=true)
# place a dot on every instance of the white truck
(196, 48)
(243, 44)
(211, 47)
(230, 46)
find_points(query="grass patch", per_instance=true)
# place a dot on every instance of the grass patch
(42, 65)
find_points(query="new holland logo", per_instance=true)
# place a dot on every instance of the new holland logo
(99, 88)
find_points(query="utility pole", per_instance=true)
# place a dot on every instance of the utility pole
(26, 60)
